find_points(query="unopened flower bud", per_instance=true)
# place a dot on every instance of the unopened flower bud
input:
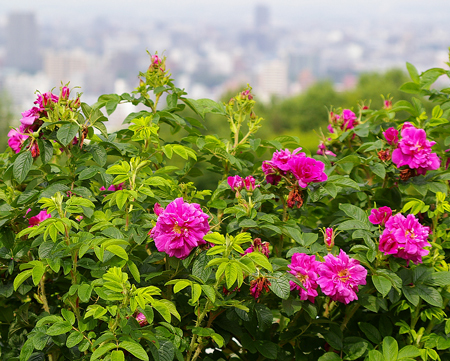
(329, 238)
(65, 92)
(388, 104)
(76, 103)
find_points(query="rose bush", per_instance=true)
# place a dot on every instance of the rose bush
(112, 250)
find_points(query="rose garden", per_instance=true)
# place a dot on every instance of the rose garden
(163, 241)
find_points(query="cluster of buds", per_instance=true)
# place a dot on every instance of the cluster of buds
(238, 183)
(155, 76)
(258, 286)
(238, 109)
(345, 121)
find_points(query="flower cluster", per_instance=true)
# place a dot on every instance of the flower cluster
(32, 119)
(403, 237)
(345, 121)
(304, 169)
(237, 183)
(413, 149)
(338, 276)
(179, 228)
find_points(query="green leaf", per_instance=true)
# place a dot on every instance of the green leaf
(102, 350)
(209, 292)
(26, 350)
(390, 349)
(121, 198)
(135, 349)
(379, 170)
(67, 132)
(260, 260)
(74, 339)
(84, 292)
(329, 356)
(280, 286)
(413, 73)
(267, 349)
(21, 277)
(22, 166)
(264, 316)
(117, 356)
(411, 88)
(231, 273)
(166, 351)
(134, 271)
(68, 316)
(371, 332)
(409, 351)
(375, 355)
(38, 272)
(430, 295)
(118, 251)
(196, 291)
(382, 284)
(59, 328)
(439, 279)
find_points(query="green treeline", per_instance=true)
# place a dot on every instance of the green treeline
(304, 114)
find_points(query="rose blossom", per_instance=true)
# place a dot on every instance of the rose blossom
(16, 140)
(348, 118)
(339, 277)
(405, 237)
(414, 151)
(380, 215)
(236, 183)
(304, 268)
(249, 183)
(391, 136)
(37, 219)
(180, 228)
(112, 187)
(271, 173)
(307, 170)
(281, 158)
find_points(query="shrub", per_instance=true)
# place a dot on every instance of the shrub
(109, 250)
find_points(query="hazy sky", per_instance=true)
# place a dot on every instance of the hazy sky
(227, 12)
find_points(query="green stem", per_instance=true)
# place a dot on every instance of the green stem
(416, 315)
(349, 315)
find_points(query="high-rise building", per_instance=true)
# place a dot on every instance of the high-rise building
(22, 42)
(262, 16)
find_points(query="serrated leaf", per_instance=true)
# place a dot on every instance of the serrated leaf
(102, 350)
(135, 349)
(59, 328)
(74, 339)
(21, 277)
(280, 286)
(66, 133)
(382, 284)
(390, 349)
(22, 166)
(118, 251)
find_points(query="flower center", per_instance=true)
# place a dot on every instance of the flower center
(410, 233)
(344, 275)
(177, 229)
(302, 278)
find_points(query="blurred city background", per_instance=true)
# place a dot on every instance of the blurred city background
(299, 56)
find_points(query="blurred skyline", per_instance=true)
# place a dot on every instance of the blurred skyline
(212, 47)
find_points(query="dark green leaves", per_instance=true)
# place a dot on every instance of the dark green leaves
(22, 166)
(66, 133)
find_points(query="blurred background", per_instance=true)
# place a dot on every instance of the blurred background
(300, 56)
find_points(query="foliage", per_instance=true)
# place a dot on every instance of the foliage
(88, 283)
